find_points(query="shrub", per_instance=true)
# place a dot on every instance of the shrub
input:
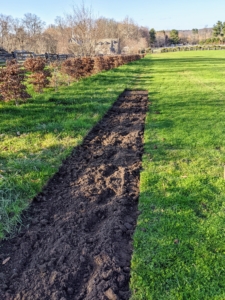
(11, 83)
(35, 64)
(55, 78)
(39, 79)
(83, 67)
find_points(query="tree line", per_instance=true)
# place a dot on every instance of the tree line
(30, 33)
(214, 35)
(78, 31)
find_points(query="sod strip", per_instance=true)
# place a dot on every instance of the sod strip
(78, 238)
(179, 242)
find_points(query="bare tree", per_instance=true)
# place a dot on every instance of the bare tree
(33, 27)
(33, 24)
(62, 33)
(19, 35)
(47, 43)
(83, 30)
(78, 33)
(106, 28)
(130, 34)
(6, 23)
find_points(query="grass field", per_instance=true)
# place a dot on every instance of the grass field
(36, 136)
(179, 244)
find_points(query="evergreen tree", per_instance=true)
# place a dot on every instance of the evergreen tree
(195, 31)
(219, 29)
(174, 36)
(152, 35)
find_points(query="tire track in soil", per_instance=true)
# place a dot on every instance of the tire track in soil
(78, 238)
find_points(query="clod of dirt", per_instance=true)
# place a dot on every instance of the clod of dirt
(76, 242)
(111, 295)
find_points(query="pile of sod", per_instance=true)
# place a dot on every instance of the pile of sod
(179, 243)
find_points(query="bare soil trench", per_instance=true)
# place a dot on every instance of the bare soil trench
(77, 238)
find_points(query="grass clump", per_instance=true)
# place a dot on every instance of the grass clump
(179, 243)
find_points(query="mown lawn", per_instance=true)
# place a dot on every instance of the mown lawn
(36, 136)
(179, 243)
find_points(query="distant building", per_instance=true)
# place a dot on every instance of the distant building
(102, 46)
(125, 50)
(107, 46)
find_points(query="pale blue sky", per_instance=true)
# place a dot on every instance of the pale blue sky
(159, 14)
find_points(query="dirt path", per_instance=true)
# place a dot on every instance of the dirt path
(78, 241)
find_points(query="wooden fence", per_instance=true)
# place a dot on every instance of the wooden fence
(22, 56)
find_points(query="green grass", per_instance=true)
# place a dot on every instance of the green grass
(36, 136)
(179, 243)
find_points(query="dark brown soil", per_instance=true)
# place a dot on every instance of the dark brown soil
(78, 238)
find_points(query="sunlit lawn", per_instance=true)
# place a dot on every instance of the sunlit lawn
(179, 244)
